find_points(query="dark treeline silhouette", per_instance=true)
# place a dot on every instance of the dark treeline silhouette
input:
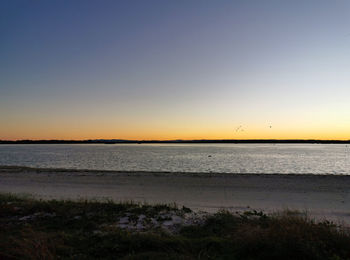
(235, 141)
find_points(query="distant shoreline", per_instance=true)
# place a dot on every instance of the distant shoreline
(203, 141)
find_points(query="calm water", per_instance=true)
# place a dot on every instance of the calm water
(217, 158)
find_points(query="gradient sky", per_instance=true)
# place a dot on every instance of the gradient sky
(178, 69)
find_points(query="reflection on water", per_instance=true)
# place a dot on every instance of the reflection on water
(221, 158)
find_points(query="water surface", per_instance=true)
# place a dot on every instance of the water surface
(217, 158)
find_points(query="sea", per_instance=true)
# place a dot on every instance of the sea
(184, 158)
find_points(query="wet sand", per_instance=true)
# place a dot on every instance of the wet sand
(322, 196)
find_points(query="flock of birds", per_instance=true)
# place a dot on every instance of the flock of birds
(241, 129)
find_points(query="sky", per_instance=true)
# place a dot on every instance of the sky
(181, 69)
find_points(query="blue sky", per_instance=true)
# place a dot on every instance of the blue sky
(174, 69)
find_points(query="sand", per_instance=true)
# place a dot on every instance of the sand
(322, 196)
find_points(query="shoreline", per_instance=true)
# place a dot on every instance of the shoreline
(14, 168)
(323, 196)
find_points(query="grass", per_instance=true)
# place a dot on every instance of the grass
(58, 229)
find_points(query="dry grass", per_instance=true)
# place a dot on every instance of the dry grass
(249, 235)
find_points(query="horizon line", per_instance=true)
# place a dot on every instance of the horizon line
(114, 140)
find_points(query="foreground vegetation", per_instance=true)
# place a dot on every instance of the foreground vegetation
(37, 229)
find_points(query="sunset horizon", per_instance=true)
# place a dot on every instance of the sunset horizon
(175, 70)
(175, 129)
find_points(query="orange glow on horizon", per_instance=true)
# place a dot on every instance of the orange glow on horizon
(177, 136)
(183, 128)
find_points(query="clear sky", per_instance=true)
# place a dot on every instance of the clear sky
(180, 69)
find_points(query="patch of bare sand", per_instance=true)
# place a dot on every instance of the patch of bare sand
(322, 196)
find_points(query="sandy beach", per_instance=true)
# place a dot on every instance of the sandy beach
(322, 196)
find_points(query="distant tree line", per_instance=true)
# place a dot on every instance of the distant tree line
(234, 141)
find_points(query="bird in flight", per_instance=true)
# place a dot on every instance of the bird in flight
(238, 128)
